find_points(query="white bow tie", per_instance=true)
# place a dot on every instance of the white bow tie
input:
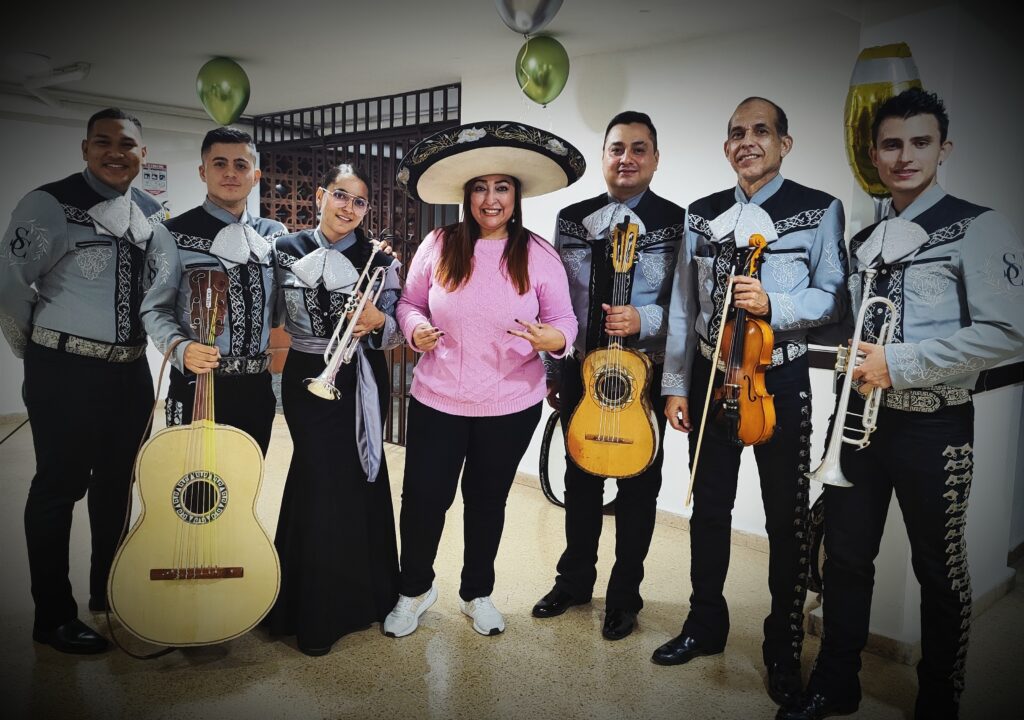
(892, 241)
(238, 243)
(327, 267)
(121, 218)
(740, 222)
(600, 222)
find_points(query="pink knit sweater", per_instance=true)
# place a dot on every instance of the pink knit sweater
(477, 368)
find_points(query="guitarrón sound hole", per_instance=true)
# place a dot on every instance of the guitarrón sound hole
(200, 497)
(614, 388)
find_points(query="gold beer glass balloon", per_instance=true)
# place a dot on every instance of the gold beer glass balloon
(880, 73)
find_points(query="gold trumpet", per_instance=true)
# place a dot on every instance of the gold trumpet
(341, 350)
(829, 471)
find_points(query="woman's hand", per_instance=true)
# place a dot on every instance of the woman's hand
(425, 337)
(369, 320)
(543, 337)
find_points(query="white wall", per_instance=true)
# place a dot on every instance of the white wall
(690, 90)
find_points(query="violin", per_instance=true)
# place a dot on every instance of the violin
(742, 405)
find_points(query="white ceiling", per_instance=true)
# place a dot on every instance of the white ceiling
(299, 54)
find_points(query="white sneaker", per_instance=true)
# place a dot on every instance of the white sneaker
(486, 618)
(405, 617)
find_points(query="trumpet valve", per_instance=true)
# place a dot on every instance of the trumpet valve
(842, 358)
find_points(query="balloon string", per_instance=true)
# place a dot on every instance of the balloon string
(522, 64)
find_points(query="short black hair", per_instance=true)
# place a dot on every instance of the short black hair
(781, 120)
(909, 103)
(628, 117)
(229, 136)
(111, 113)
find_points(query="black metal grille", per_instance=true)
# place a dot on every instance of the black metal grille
(297, 146)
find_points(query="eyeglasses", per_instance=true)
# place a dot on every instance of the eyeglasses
(341, 197)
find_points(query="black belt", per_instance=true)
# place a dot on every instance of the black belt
(243, 365)
(66, 342)
(927, 399)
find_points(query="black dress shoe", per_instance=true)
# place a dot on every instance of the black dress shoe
(314, 652)
(555, 603)
(682, 649)
(784, 684)
(618, 623)
(814, 706)
(73, 637)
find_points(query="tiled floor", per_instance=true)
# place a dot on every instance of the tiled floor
(559, 668)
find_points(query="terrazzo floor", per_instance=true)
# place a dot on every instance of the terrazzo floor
(538, 669)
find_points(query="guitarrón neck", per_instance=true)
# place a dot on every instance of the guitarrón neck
(202, 406)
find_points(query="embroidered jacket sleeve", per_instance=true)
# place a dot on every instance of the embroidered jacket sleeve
(159, 305)
(992, 292)
(823, 301)
(35, 240)
(654, 315)
(276, 299)
(390, 334)
(413, 307)
(682, 316)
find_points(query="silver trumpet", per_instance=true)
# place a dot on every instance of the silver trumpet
(829, 471)
(341, 350)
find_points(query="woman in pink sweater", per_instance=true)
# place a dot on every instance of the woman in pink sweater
(482, 299)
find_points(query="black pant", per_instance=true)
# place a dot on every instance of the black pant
(636, 506)
(437, 447)
(88, 417)
(781, 464)
(927, 459)
(245, 402)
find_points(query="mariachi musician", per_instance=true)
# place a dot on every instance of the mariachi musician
(219, 235)
(800, 285)
(336, 530)
(953, 271)
(71, 278)
(583, 237)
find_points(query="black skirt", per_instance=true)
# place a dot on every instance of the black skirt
(336, 532)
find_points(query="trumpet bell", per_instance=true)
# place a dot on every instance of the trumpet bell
(829, 474)
(321, 387)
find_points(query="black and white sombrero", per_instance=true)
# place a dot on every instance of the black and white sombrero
(437, 168)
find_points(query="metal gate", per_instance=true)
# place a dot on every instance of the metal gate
(296, 147)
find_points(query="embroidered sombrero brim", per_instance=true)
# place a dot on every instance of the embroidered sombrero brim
(437, 168)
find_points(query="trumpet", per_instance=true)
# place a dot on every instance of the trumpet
(342, 349)
(829, 471)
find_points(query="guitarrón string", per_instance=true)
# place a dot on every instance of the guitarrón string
(196, 542)
(614, 384)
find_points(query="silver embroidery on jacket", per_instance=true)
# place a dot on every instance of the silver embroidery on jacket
(928, 281)
(804, 219)
(573, 261)
(92, 261)
(655, 266)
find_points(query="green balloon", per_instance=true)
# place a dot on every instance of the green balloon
(542, 68)
(223, 89)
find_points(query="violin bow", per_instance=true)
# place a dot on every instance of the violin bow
(714, 368)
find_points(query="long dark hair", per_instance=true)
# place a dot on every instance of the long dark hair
(458, 241)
